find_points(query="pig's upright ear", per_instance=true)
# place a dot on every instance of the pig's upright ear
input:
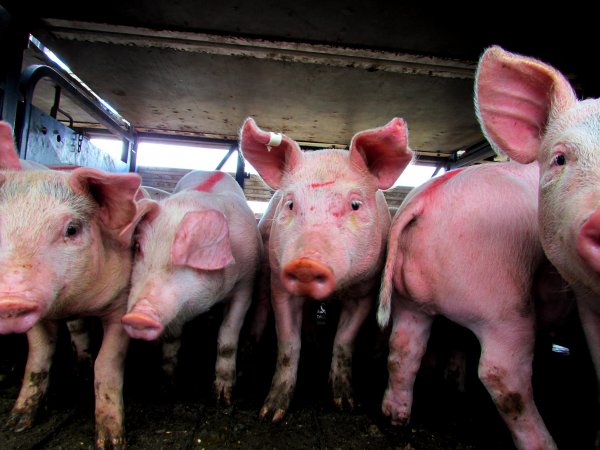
(270, 153)
(146, 208)
(515, 96)
(9, 160)
(202, 241)
(115, 194)
(384, 151)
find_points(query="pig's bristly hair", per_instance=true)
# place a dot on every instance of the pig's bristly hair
(37, 187)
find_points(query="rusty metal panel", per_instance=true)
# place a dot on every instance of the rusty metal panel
(52, 143)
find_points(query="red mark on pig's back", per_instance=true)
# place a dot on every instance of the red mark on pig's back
(319, 185)
(430, 189)
(208, 184)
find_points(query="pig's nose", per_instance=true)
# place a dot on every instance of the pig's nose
(310, 278)
(142, 326)
(588, 241)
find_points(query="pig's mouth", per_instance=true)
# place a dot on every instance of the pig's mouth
(18, 315)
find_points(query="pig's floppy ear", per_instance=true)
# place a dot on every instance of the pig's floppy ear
(270, 153)
(384, 151)
(146, 208)
(114, 192)
(515, 96)
(202, 241)
(9, 160)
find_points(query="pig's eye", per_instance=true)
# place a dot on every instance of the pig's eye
(355, 205)
(137, 247)
(560, 160)
(73, 229)
(290, 205)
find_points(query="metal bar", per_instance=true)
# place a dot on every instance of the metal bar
(240, 173)
(56, 105)
(474, 156)
(224, 160)
(29, 79)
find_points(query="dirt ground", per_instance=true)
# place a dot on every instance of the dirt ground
(185, 416)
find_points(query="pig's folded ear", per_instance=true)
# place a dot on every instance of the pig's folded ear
(146, 208)
(515, 96)
(202, 241)
(384, 151)
(9, 160)
(113, 192)
(271, 154)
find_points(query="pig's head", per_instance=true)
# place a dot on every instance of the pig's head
(331, 222)
(178, 252)
(529, 111)
(59, 233)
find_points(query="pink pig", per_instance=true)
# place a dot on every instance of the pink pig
(528, 110)
(326, 230)
(198, 247)
(465, 246)
(63, 254)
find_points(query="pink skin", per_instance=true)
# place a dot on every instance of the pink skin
(480, 276)
(325, 233)
(515, 92)
(194, 249)
(63, 254)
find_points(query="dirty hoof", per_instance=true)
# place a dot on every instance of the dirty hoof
(19, 421)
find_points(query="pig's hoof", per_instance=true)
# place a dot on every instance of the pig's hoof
(344, 403)
(224, 394)
(107, 442)
(398, 416)
(19, 422)
(278, 414)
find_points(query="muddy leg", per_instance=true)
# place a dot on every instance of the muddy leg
(408, 342)
(42, 343)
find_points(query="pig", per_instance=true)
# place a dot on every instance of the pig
(326, 231)
(465, 245)
(194, 249)
(528, 110)
(65, 253)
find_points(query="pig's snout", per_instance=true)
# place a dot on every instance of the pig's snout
(17, 315)
(141, 325)
(306, 277)
(588, 241)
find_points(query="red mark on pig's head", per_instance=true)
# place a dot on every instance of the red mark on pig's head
(319, 185)
(208, 184)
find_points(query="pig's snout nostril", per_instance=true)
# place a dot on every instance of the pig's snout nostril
(306, 277)
(588, 242)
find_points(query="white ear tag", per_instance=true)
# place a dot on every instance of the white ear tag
(274, 140)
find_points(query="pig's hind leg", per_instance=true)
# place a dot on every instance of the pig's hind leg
(408, 342)
(505, 368)
(227, 344)
(42, 342)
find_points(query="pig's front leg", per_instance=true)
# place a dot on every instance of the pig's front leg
(227, 344)
(353, 314)
(108, 385)
(42, 342)
(287, 310)
(408, 342)
(590, 322)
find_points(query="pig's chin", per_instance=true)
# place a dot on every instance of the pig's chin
(18, 315)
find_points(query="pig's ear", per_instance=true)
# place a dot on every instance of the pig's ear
(269, 153)
(515, 96)
(9, 160)
(202, 241)
(384, 151)
(145, 209)
(115, 194)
